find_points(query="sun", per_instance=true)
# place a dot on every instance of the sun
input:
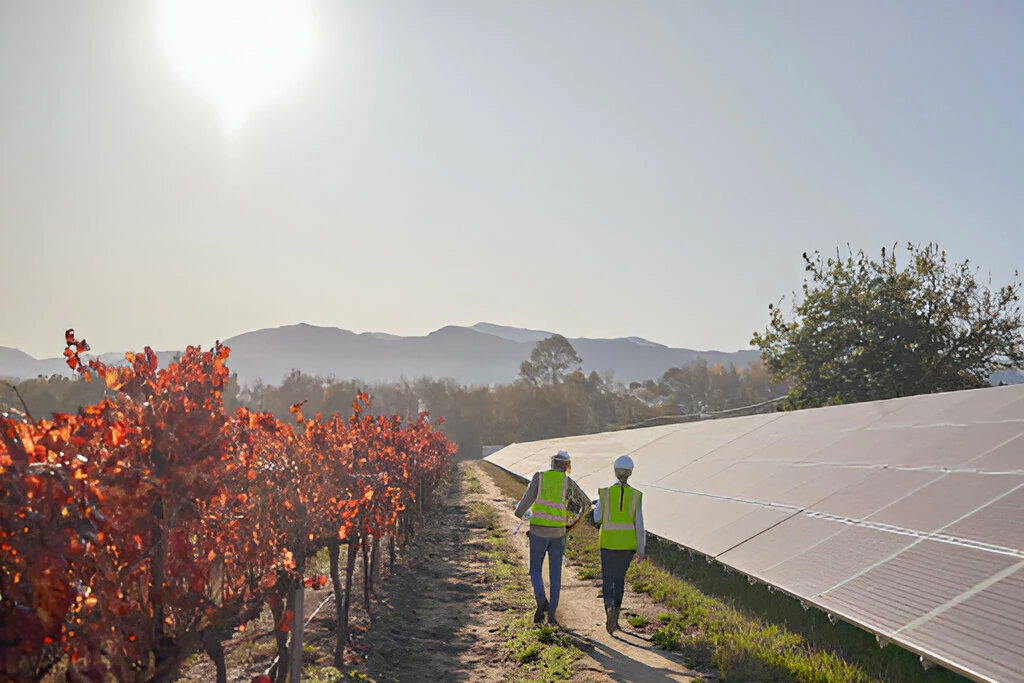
(240, 53)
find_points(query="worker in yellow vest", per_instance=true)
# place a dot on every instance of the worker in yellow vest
(619, 511)
(546, 504)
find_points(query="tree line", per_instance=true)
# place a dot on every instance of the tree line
(552, 397)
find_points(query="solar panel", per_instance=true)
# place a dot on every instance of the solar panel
(904, 517)
(981, 633)
(920, 579)
(776, 545)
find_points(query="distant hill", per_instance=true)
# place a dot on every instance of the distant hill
(482, 354)
(16, 364)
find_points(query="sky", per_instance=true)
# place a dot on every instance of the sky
(596, 168)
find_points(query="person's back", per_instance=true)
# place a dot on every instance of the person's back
(547, 501)
(619, 511)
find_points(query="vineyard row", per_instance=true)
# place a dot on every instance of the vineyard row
(155, 524)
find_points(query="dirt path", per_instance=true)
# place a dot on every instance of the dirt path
(624, 658)
(440, 617)
(435, 622)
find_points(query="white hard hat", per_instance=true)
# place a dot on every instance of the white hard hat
(623, 462)
(562, 456)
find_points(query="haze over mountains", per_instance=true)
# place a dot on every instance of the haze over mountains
(482, 354)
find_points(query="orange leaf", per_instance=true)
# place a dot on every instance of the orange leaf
(113, 377)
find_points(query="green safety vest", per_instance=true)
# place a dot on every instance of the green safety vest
(618, 517)
(551, 509)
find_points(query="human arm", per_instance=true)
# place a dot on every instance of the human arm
(641, 534)
(529, 497)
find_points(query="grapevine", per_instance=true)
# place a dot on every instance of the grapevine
(155, 523)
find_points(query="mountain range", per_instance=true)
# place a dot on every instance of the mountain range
(482, 354)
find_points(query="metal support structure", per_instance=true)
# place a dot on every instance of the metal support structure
(297, 627)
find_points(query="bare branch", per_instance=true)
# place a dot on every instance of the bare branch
(21, 399)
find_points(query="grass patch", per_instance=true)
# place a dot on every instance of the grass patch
(544, 654)
(328, 674)
(637, 621)
(486, 516)
(667, 637)
(250, 651)
(582, 549)
(321, 562)
(504, 572)
(510, 485)
(470, 482)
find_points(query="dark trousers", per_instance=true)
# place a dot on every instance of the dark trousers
(614, 564)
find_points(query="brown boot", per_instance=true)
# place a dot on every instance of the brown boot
(542, 607)
(611, 621)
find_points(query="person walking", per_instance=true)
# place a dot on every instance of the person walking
(619, 511)
(546, 505)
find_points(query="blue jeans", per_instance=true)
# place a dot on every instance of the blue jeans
(554, 548)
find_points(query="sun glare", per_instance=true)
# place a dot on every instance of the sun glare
(240, 53)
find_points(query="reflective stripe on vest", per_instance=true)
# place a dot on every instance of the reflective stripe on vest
(551, 509)
(619, 504)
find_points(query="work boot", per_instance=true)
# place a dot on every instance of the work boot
(611, 619)
(542, 607)
(551, 619)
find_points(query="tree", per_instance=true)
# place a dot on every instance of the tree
(550, 361)
(874, 329)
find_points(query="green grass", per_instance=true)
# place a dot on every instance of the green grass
(717, 620)
(328, 674)
(321, 563)
(510, 583)
(249, 651)
(637, 621)
(667, 637)
(470, 482)
(543, 653)
(509, 484)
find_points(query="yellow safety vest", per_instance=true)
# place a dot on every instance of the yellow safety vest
(551, 509)
(619, 504)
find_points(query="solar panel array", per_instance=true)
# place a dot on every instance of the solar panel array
(904, 517)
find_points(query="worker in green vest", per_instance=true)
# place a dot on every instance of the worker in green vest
(546, 504)
(619, 511)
